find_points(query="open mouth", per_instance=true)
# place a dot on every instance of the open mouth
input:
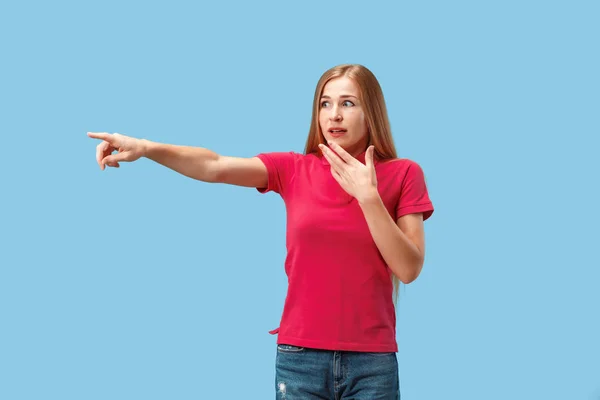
(337, 131)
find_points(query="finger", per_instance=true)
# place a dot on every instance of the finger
(335, 163)
(333, 159)
(101, 149)
(369, 157)
(336, 176)
(115, 158)
(339, 176)
(113, 164)
(328, 158)
(344, 155)
(100, 135)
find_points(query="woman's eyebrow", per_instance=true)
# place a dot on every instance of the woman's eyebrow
(344, 95)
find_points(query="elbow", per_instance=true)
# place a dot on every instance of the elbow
(212, 173)
(406, 279)
(408, 274)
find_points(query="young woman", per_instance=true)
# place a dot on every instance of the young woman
(355, 217)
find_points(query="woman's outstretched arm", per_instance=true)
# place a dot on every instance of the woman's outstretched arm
(194, 162)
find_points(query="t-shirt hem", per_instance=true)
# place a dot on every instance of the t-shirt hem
(270, 167)
(425, 208)
(338, 346)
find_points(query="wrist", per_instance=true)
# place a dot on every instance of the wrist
(369, 198)
(146, 147)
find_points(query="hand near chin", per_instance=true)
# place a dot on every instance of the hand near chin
(357, 179)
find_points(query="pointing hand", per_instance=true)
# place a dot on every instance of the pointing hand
(128, 148)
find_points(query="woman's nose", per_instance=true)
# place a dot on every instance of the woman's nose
(335, 115)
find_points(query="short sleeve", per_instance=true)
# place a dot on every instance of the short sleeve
(280, 169)
(414, 197)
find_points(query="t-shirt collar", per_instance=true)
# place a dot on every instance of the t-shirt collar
(360, 157)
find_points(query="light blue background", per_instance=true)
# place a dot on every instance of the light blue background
(139, 283)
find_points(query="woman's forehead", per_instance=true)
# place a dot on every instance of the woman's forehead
(340, 86)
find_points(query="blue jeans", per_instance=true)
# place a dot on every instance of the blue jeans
(304, 374)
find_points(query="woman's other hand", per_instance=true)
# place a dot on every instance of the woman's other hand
(357, 179)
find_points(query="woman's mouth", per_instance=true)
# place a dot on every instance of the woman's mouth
(337, 132)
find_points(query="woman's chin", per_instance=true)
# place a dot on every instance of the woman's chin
(337, 140)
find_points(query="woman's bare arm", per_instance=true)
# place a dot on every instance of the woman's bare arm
(195, 162)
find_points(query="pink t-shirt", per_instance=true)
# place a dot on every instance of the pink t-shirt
(339, 286)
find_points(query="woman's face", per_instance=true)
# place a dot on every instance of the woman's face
(341, 116)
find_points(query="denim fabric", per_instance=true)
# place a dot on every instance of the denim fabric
(305, 374)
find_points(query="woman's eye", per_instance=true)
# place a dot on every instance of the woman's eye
(348, 103)
(324, 104)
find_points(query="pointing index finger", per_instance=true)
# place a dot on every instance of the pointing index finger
(100, 135)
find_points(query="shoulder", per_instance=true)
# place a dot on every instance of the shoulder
(403, 173)
(399, 162)
(276, 156)
(400, 167)
(288, 155)
(286, 160)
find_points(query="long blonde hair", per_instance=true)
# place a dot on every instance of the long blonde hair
(371, 97)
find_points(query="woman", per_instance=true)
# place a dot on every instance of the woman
(355, 217)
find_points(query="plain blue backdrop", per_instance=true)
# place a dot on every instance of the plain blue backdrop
(139, 283)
